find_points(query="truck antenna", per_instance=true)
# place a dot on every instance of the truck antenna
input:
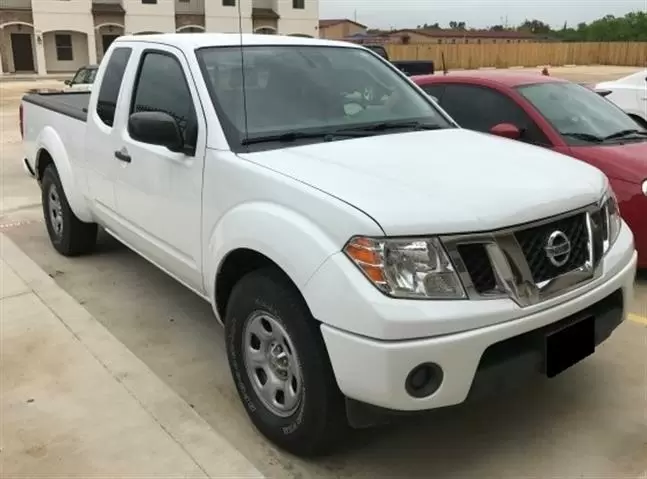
(242, 68)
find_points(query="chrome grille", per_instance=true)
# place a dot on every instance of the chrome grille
(533, 241)
(525, 264)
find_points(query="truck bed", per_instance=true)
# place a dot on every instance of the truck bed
(72, 104)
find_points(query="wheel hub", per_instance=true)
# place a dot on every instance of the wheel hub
(272, 364)
(279, 360)
(55, 210)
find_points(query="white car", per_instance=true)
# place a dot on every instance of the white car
(362, 260)
(629, 93)
(83, 79)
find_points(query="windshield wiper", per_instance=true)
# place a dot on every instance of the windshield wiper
(301, 135)
(585, 137)
(625, 133)
(392, 125)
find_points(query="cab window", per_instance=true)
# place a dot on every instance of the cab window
(481, 108)
(161, 86)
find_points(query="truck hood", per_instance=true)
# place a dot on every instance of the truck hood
(444, 181)
(626, 161)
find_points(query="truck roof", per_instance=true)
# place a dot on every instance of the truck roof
(201, 40)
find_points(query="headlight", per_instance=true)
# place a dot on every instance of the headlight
(416, 268)
(612, 218)
(645, 187)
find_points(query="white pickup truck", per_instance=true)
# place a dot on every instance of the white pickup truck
(365, 255)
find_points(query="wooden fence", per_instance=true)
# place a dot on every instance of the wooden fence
(468, 56)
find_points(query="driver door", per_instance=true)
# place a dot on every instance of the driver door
(159, 192)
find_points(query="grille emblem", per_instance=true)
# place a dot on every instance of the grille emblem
(558, 248)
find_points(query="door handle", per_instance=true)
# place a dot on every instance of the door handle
(122, 155)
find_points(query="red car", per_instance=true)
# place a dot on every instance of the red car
(557, 114)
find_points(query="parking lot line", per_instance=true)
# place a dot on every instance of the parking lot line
(638, 319)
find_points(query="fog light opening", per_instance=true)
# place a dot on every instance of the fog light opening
(424, 380)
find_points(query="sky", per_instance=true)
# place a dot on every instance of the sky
(476, 13)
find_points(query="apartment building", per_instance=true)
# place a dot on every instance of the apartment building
(55, 36)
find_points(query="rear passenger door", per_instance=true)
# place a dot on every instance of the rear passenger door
(480, 108)
(101, 168)
(159, 191)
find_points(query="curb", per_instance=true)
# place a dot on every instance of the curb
(208, 449)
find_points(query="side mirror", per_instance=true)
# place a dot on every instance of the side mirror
(506, 130)
(68, 82)
(156, 128)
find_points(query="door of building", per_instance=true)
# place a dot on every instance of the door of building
(23, 54)
(107, 41)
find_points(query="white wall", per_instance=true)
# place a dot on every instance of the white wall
(71, 15)
(289, 26)
(228, 24)
(79, 49)
(149, 18)
(265, 4)
(221, 19)
(296, 20)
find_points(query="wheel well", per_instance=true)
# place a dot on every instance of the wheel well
(237, 264)
(638, 119)
(43, 160)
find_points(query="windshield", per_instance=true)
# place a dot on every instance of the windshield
(580, 115)
(85, 75)
(296, 88)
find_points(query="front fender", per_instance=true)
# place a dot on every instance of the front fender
(51, 142)
(296, 243)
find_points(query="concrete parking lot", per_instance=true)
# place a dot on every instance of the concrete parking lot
(590, 422)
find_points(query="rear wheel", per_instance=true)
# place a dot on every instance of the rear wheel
(280, 365)
(68, 234)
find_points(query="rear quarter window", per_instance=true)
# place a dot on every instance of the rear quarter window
(111, 85)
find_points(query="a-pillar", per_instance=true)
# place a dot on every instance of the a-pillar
(41, 63)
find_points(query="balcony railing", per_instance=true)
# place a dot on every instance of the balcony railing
(15, 4)
(191, 7)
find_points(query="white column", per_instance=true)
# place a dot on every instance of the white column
(92, 47)
(41, 64)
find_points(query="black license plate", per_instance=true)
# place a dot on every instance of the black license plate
(569, 345)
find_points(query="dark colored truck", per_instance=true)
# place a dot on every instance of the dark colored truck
(408, 67)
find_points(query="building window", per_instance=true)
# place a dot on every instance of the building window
(228, 3)
(64, 50)
(149, 2)
(300, 4)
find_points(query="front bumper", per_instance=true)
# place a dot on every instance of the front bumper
(374, 371)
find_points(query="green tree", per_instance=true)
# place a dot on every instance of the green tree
(630, 28)
(536, 27)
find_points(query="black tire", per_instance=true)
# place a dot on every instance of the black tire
(68, 234)
(319, 421)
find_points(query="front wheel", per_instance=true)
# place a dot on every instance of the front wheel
(280, 365)
(68, 234)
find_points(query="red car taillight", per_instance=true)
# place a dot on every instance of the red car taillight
(22, 121)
